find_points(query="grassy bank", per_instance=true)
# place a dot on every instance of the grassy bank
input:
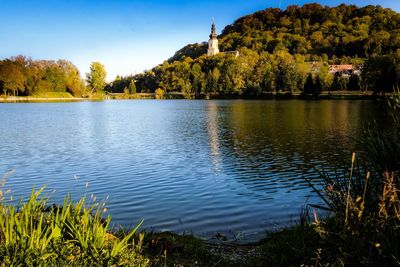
(53, 95)
(41, 97)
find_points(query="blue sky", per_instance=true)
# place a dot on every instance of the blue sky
(127, 36)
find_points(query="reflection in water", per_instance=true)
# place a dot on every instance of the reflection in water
(195, 166)
(212, 128)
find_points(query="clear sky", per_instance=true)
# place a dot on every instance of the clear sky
(127, 36)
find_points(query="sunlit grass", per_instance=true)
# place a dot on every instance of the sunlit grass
(52, 95)
(34, 233)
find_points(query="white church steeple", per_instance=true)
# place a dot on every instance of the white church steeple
(213, 42)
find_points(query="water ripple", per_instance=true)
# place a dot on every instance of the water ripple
(203, 167)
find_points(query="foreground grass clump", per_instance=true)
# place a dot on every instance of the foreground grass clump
(364, 228)
(35, 234)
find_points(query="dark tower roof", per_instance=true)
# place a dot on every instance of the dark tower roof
(213, 34)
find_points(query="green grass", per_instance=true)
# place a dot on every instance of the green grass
(53, 95)
(97, 95)
(74, 234)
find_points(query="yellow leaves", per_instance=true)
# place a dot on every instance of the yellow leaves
(389, 199)
(71, 257)
(110, 237)
(56, 232)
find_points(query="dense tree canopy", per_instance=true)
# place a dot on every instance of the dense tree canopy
(312, 29)
(24, 76)
(345, 30)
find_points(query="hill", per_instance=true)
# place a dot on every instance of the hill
(345, 30)
(277, 48)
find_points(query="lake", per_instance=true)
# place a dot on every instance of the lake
(232, 167)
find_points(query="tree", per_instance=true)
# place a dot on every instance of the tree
(33, 76)
(380, 73)
(159, 93)
(319, 85)
(340, 82)
(96, 78)
(11, 77)
(309, 85)
(197, 78)
(132, 87)
(73, 79)
(212, 80)
(354, 83)
(55, 77)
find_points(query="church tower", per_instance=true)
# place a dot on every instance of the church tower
(213, 42)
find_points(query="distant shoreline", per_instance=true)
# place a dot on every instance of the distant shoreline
(38, 99)
(262, 96)
(354, 95)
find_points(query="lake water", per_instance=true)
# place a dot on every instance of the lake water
(203, 167)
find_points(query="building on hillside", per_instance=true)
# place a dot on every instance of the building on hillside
(213, 42)
(213, 45)
(344, 70)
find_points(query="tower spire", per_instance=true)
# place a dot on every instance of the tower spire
(213, 32)
(213, 42)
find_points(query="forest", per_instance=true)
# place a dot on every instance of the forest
(285, 51)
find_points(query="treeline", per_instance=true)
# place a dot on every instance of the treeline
(252, 74)
(23, 76)
(286, 51)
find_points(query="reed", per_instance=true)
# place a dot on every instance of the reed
(74, 234)
(363, 201)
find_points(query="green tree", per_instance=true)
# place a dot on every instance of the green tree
(213, 80)
(198, 80)
(132, 87)
(73, 80)
(55, 77)
(96, 78)
(11, 77)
